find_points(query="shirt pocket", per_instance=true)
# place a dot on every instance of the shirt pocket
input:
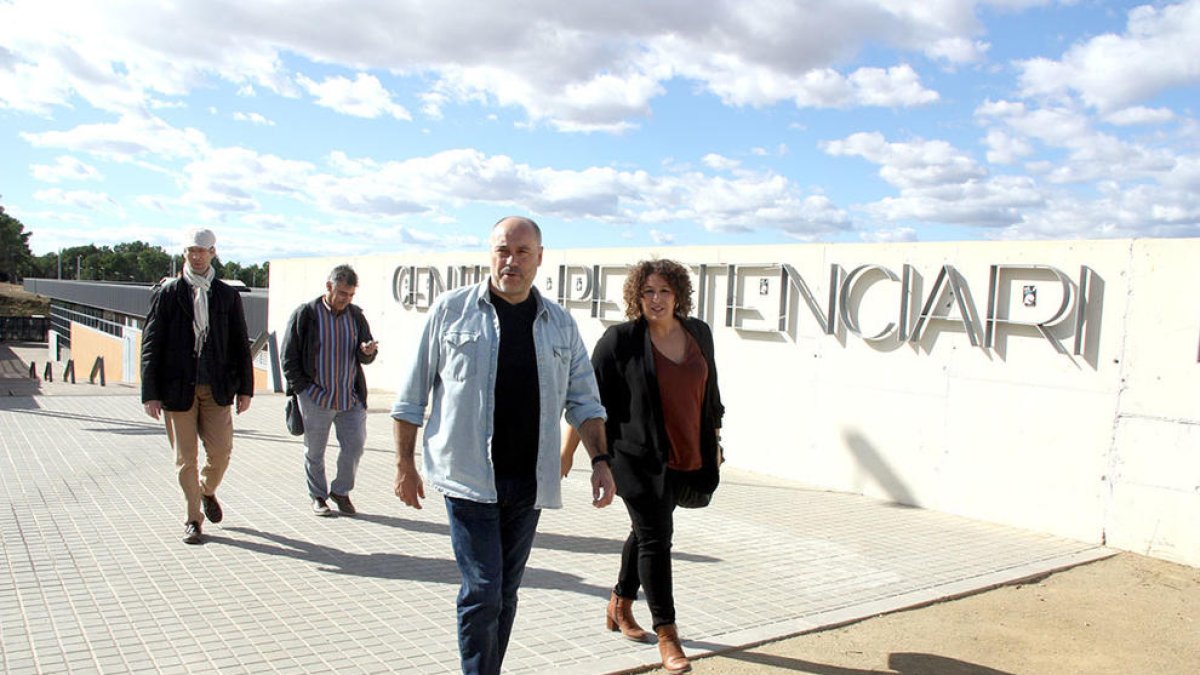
(562, 368)
(458, 355)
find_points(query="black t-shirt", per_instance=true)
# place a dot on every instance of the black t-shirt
(515, 424)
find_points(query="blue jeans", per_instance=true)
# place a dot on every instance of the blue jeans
(491, 546)
(351, 428)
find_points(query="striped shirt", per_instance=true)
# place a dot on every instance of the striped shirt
(337, 342)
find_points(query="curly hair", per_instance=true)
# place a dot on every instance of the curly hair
(676, 276)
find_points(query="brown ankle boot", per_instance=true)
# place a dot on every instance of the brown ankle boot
(620, 617)
(670, 650)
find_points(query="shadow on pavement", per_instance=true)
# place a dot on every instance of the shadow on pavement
(901, 663)
(127, 427)
(388, 565)
(544, 540)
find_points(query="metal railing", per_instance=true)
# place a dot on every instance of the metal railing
(63, 317)
(24, 328)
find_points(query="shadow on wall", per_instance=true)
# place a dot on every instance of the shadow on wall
(870, 461)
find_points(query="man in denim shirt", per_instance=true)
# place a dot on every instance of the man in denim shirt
(501, 364)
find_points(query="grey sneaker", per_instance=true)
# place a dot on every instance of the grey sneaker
(320, 508)
(191, 533)
(343, 504)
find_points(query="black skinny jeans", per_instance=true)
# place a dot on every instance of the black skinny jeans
(646, 556)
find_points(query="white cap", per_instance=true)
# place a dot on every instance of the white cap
(199, 237)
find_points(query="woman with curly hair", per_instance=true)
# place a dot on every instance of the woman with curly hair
(658, 383)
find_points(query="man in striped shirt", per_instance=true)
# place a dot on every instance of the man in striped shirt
(328, 340)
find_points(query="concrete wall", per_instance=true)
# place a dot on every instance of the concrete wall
(1090, 430)
(1153, 495)
(89, 343)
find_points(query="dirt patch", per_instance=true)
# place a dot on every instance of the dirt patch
(16, 301)
(1125, 614)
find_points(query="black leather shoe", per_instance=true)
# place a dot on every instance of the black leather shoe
(191, 533)
(212, 509)
(320, 508)
(343, 504)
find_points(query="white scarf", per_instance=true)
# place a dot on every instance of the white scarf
(201, 282)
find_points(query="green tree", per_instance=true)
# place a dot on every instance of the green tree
(15, 257)
(44, 266)
(142, 261)
(130, 261)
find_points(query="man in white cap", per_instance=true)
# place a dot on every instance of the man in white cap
(195, 364)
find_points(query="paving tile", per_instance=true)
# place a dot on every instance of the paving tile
(275, 589)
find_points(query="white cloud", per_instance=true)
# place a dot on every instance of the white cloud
(896, 87)
(420, 186)
(254, 118)
(938, 183)
(583, 67)
(1139, 115)
(154, 203)
(65, 168)
(661, 238)
(1090, 155)
(742, 84)
(80, 199)
(714, 161)
(1005, 148)
(895, 235)
(234, 180)
(118, 81)
(1141, 211)
(131, 137)
(958, 50)
(270, 221)
(1158, 51)
(122, 56)
(908, 165)
(993, 203)
(364, 96)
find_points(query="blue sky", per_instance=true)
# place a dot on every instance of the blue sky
(335, 128)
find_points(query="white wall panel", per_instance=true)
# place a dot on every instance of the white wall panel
(1098, 446)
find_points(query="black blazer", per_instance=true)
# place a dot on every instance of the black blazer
(168, 342)
(637, 437)
(300, 348)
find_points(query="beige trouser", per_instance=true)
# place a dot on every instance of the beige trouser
(205, 421)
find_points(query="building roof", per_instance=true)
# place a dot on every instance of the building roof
(133, 299)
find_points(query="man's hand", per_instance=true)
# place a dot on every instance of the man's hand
(243, 404)
(153, 408)
(591, 432)
(369, 348)
(409, 486)
(603, 485)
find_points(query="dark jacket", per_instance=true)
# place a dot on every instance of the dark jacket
(300, 342)
(168, 360)
(637, 435)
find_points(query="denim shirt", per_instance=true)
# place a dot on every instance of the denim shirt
(456, 363)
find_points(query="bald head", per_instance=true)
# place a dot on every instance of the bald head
(516, 246)
(518, 221)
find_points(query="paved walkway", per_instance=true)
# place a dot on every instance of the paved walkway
(94, 578)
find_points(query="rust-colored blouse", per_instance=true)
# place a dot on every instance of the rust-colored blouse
(681, 387)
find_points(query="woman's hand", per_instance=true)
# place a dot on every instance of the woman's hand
(570, 443)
